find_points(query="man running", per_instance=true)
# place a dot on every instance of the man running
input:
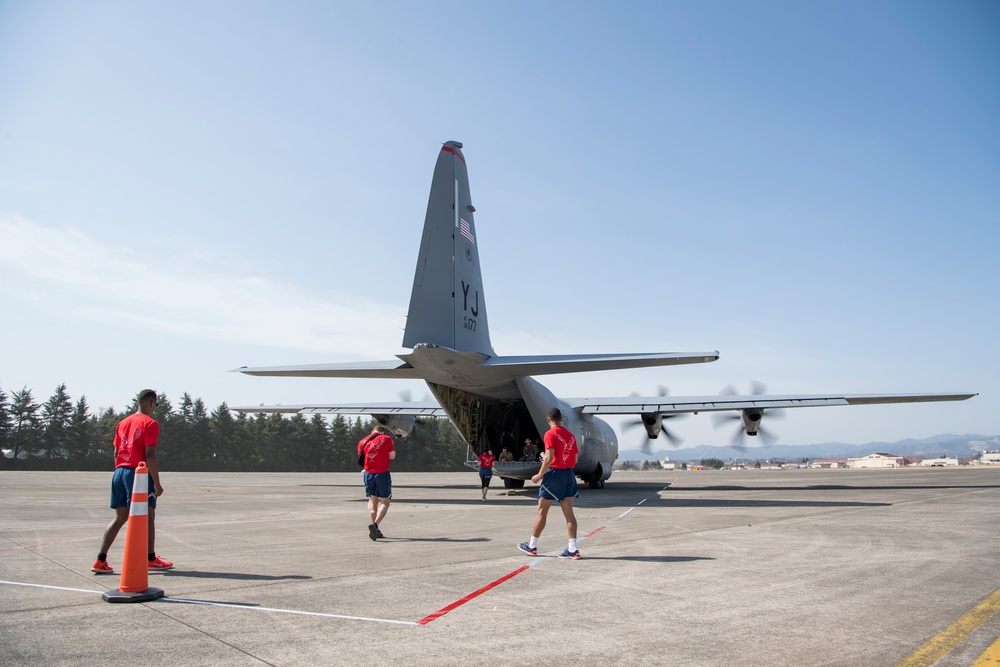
(558, 483)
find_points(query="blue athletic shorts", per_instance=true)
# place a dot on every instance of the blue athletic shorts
(485, 475)
(378, 484)
(557, 484)
(121, 488)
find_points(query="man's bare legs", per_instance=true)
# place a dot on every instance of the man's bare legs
(567, 507)
(566, 504)
(120, 520)
(377, 508)
(111, 532)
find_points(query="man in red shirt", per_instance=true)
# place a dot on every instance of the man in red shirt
(486, 462)
(135, 442)
(558, 483)
(378, 450)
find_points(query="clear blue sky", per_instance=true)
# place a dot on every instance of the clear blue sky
(813, 189)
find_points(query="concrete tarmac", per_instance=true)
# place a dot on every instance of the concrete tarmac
(790, 567)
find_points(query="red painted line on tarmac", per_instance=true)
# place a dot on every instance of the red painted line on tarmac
(458, 603)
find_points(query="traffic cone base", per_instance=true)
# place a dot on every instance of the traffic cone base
(143, 596)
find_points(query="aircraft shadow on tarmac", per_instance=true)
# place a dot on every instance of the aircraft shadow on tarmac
(650, 559)
(450, 540)
(605, 499)
(532, 491)
(619, 494)
(241, 576)
(477, 500)
(397, 485)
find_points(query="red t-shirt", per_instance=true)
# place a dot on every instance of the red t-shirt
(376, 452)
(486, 459)
(132, 435)
(563, 443)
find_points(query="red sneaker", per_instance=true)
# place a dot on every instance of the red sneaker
(160, 564)
(102, 567)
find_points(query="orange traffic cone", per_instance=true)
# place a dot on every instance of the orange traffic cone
(134, 585)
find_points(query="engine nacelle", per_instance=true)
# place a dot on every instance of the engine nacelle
(751, 420)
(399, 425)
(652, 422)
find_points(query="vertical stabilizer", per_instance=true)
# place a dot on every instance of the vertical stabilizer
(447, 305)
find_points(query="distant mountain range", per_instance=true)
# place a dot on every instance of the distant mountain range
(945, 444)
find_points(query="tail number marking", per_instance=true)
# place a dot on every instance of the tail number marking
(469, 323)
(465, 302)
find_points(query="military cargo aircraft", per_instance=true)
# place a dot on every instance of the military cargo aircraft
(493, 400)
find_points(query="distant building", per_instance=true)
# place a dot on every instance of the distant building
(828, 463)
(940, 462)
(990, 458)
(877, 460)
(667, 464)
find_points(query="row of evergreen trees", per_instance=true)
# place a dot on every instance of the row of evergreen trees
(62, 435)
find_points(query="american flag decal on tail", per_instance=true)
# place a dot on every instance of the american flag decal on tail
(465, 230)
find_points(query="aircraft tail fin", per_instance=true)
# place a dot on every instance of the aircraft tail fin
(447, 304)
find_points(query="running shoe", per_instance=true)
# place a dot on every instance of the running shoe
(575, 555)
(531, 551)
(378, 533)
(160, 564)
(102, 567)
(373, 531)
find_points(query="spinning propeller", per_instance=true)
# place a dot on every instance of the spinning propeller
(406, 396)
(652, 422)
(400, 425)
(749, 418)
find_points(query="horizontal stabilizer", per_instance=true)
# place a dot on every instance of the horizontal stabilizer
(490, 368)
(582, 363)
(390, 369)
(408, 408)
(630, 405)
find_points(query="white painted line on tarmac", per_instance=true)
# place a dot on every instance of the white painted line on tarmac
(286, 611)
(226, 604)
(55, 588)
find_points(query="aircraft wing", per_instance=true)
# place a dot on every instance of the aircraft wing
(630, 405)
(399, 408)
(390, 368)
